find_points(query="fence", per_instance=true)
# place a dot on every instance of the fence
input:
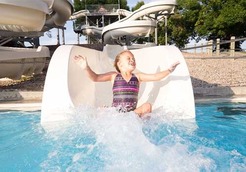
(217, 72)
(213, 48)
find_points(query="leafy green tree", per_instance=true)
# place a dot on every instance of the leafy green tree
(181, 25)
(207, 19)
(222, 19)
(138, 5)
(78, 5)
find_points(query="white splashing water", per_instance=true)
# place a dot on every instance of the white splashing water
(104, 140)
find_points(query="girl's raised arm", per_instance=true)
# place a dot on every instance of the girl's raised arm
(82, 62)
(157, 76)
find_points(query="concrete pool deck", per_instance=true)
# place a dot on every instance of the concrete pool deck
(32, 100)
(25, 106)
(21, 100)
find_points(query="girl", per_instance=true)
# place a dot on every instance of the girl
(125, 82)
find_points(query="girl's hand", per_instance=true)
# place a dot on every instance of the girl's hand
(173, 67)
(81, 61)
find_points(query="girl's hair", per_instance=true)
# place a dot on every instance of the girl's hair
(117, 59)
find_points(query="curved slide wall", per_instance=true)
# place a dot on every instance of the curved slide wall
(34, 15)
(15, 62)
(67, 86)
(22, 16)
(61, 12)
(130, 24)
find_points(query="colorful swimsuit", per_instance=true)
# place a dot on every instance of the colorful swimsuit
(125, 94)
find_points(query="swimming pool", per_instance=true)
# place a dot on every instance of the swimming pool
(107, 141)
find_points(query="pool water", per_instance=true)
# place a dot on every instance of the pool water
(102, 140)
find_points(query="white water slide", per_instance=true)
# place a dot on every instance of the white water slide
(33, 15)
(28, 18)
(130, 25)
(67, 86)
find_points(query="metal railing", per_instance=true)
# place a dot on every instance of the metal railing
(102, 9)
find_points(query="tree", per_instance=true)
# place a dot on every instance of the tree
(222, 19)
(138, 5)
(181, 25)
(207, 19)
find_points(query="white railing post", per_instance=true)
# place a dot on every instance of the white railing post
(232, 47)
(210, 48)
(217, 47)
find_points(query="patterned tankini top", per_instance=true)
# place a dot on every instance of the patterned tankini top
(125, 94)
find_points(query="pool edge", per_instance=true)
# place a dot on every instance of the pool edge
(32, 101)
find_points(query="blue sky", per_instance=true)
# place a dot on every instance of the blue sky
(71, 37)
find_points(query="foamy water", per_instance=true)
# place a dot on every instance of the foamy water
(104, 140)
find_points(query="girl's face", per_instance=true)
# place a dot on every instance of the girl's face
(127, 62)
